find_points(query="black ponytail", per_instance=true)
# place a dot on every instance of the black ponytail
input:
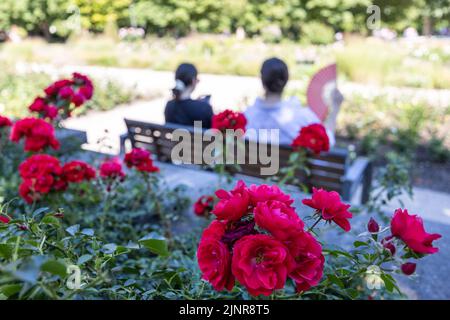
(274, 75)
(185, 75)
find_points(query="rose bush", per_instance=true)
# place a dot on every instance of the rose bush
(264, 246)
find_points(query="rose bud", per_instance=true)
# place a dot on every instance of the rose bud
(59, 215)
(373, 226)
(389, 245)
(23, 227)
(408, 268)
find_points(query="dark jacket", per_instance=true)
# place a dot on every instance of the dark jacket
(185, 112)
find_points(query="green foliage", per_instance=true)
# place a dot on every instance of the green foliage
(317, 33)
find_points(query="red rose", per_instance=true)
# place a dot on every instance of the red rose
(373, 226)
(408, 268)
(4, 219)
(388, 245)
(261, 263)
(329, 206)
(78, 99)
(140, 159)
(313, 137)
(204, 205)
(77, 171)
(214, 260)
(40, 175)
(38, 134)
(309, 260)
(409, 228)
(51, 112)
(229, 119)
(5, 122)
(111, 169)
(264, 193)
(216, 230)
(38, 105)
(66, 93)
(234, 204)
(54, 88)
(278, 218)
(86, 91)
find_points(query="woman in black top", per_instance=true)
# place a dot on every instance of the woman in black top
(182, 109)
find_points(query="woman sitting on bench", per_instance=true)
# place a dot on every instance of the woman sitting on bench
(272, 112)
(182, 109)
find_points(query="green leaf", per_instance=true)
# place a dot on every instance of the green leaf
(6, 250)
(72, 230)
(10, 289)
(334, 279)
(155, 244)
(357, 244)
(109, 248)
(88, 232)
(55, 267)
(84, 258)
(389, 284)
(39, 211)
(50, 219)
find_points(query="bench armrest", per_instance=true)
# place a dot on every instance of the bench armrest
(360, 171)
(123, 138)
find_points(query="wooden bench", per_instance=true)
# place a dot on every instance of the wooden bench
(338, 169)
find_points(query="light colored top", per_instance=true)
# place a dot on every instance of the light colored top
(289, 116)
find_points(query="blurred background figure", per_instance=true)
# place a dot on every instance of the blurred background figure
(288, 115)
(182, 109)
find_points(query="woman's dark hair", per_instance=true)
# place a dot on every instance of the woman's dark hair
(186, 73)
(274, 75)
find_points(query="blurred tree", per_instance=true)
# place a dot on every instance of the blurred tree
(97, 14)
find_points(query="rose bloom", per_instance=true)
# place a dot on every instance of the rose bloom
(77, 171)
(204, 205)
(38, 134)
(229, 119)
(78, 99)
(4, 219)
(5, 122)
(264, 193)
(410, 229)
(140, 159)
(313, 137)
(86, 87)
(111, 169)
(66, 93)
(214, 257)
(329, 206)
(261, 263)
(38, 105)
(54, 88)
(309, 260)
(278, 218)
(234, 204)
(40, 174)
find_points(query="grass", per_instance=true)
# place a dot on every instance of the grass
(421, 64)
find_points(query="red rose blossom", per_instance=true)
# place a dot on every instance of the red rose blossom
(204, 205)
(140, 159)
(410, 229)
(234, 204)
(38, 134)
(214, 257)
(38, 105)
(5, 122)
(229, 119)
(408, 268)
(214, 260)
(264, 193)
(261, 263)
(77, 171)
(111, 169)
(309, 260)
(4, 219)
(278, 218)
(313, 137)
(329, 206)
(40, 175)
(54, 88)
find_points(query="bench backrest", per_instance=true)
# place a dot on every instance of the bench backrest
(327, 169)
